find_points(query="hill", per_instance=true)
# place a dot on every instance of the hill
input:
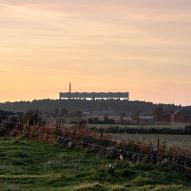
(115, 106)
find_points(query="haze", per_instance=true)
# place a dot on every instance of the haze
(140, 46)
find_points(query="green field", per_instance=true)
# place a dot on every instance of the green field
(141, 126)
(183, 141)
(33, 166)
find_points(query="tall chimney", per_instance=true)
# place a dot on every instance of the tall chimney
(70, 87)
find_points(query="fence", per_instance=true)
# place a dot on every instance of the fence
(98, 142)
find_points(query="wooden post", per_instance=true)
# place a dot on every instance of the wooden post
(158, 151)
(101, 139)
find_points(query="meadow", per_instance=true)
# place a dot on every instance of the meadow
(183, 141)
(30, 165)
(141, 126)
(170, 134)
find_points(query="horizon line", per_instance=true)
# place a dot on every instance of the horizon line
(57, 99)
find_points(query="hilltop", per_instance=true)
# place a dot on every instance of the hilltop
(116, 106)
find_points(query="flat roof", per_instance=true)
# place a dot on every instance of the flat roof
(95, 94)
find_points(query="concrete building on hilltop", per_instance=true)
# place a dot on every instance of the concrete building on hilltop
(93, 95)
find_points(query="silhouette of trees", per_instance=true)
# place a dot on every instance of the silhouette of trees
(136, 117)
(32, 117)
(56, 112)
(188, 128)
(107, 120)
(116, 106)
(158, 114)
(77, 114)
(64, 111)
(122, 116)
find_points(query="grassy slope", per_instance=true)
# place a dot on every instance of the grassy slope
(27, 165)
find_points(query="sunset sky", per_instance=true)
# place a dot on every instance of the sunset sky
(140, 46)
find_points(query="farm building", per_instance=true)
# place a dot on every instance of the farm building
(178, 117)
(169, 116)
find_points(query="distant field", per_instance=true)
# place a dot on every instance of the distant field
(33, 166)
(183, 141)
(174, 126)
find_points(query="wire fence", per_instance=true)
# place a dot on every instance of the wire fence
(98, 142)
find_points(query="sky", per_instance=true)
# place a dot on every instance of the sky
(140, 46)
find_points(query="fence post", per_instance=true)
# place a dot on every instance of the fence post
(158, 150)
(101, 139)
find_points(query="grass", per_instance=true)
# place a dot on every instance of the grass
(33, 166)
(172, 134)
(141, 126)
(183, 141)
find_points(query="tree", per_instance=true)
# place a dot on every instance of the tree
(107, 120)
(122, 116)
(64, 111)
(77, 114)
(158, 113)
(56, 112)
(188, 128)
(32, 117)
(136, 117)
